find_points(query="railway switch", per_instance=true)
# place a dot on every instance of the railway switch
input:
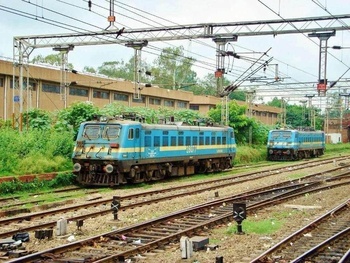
(115, 206)
(239, 214)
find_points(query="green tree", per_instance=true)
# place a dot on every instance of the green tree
(52, 59)
(90, 69)
(124, 70)
(242, 123)
(37, 119)
(298, 116)
(172, 70)
(71, 117)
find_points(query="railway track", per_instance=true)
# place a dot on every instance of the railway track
(327, 239)
(141, 239)
(74, 213)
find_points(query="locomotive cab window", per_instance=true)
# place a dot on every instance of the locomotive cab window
(91, 132)
(110, 132)
(131, 134)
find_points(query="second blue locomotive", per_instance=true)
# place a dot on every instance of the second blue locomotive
(118, 151)
(295, 144)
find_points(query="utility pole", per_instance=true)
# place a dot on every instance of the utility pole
(284, 113)
(322, 64)
(303, 112)
(249, 99)
(220, 71)
(64, 64)
(137, 46)
(311, 111)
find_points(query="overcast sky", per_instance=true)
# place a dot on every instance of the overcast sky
(296, 55)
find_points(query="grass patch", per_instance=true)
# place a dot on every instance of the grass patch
(250, 154)
(18, 187)
(262, 227)
(297, 176)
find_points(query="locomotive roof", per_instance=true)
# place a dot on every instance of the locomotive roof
(294, 130)
(170, 126)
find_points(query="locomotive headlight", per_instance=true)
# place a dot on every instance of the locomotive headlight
(108, 168)
(76, 167)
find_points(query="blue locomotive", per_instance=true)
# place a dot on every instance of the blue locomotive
(295, 144)
(118, 151)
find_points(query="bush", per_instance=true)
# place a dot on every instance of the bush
(248, 154)
(34, 151)
(16, 186)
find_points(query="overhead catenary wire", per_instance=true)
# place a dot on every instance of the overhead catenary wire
(48, 9)
(155, 49)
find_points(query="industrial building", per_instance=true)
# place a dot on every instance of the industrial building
(42, 88)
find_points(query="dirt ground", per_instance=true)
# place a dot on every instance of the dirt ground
(233, 248)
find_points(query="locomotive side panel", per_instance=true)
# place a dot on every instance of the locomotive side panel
(120, 152)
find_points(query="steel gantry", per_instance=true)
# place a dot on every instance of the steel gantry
(23, 46)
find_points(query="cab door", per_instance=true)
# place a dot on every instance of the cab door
(135, 141)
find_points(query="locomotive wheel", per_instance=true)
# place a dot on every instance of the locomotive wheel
(147, 176)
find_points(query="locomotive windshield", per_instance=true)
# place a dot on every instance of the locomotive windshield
(91, 132)
(107, 132)
(110, 132)
(281, 134)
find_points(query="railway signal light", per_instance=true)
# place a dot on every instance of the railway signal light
(239, 214)
(115, 206)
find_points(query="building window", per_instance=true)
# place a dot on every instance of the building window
(1, 82)
(169, 103)
(141, 100)
(154, 101)
(32, 84)
(52, 88)
(101, 94)
(194, 107)
(182, 104)
(121, 97)
(78, 92)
